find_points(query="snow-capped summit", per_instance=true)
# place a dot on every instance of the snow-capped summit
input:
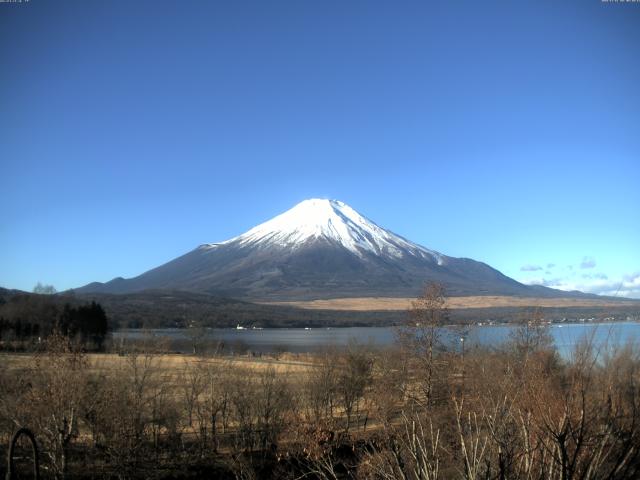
(332, 221)
(319, 249)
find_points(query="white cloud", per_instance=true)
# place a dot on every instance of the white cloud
(628, 286)
(530, 268)
(594, 276)
(588, 262)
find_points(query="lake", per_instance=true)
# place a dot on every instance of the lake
(565, 336)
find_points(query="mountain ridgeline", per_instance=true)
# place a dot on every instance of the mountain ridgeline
(320, 249)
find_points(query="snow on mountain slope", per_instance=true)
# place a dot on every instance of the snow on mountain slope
(319, 249)
(334, 221)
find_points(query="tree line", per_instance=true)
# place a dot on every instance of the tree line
(26, 319)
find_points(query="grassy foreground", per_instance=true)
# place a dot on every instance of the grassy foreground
(414, 411)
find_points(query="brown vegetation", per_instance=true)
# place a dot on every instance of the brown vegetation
(488, 301)
(415, 411)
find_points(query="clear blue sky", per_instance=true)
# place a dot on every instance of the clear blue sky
(508, 132)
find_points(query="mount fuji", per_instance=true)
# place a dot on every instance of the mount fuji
(320, 249)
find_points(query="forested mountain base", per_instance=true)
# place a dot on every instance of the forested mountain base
(178, 309)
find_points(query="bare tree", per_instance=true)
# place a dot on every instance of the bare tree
(135, 407)
(44, 289)
(410, 450)
(196, 332)
(532, 335)
(320, 388)
(420, 337)
(214, 405)
(273, 402)
(192, 385)
(472, 442)
(242, 391)
(58, 379)
(354, 377)
(389, 384)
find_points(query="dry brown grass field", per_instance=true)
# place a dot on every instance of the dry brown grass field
(172, 365)
(398, 304)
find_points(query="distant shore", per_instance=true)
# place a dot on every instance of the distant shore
(491, 301)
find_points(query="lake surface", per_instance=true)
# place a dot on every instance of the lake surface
(565, 336)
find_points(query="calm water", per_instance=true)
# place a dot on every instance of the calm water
(566, 336)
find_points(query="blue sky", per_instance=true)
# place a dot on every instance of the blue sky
(507, 132)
